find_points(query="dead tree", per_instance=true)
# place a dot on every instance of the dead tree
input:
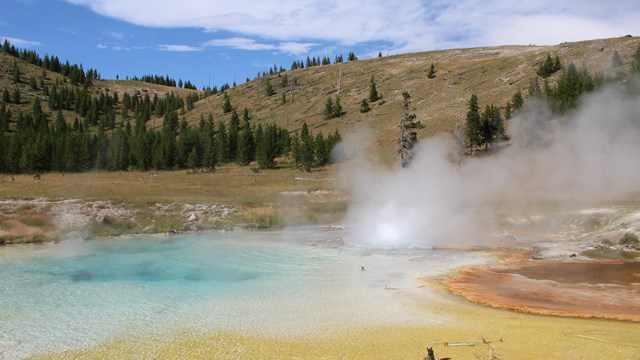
(459, 145)
(407, 138)
(432, 356)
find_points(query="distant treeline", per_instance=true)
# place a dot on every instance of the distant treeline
(75, 73)
(484, 128)
(166, 81)
(36, 142)
(35, 145)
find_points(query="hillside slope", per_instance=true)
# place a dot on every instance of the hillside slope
(493, 73)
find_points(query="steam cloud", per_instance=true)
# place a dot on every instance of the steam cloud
(585, 158)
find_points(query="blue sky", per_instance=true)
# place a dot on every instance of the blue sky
(231, 40)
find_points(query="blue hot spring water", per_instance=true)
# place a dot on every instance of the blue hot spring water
(77, 294)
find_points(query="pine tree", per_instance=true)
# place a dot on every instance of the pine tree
(268, 89)
(472, 126)
(373, 92)
(557, 64)
(192, 159)
(15, 70)
(321, 150)
(5, 117)
(337, 108)
(168, 140)
(267, 149)
(534, 88)
(234, 133)
(328, 108)
(102, 146)
(222, 144)
(246, 146)
(571, 84)
(517, 100)
(546, 89)
(5, 96)
(432, 71)
(364, 106)
(60, 126)
(407, 138)
(208, 144)
(16, 96)
(547, 68)
(306, 148)
(333, 139)
(295, 149)
(226, 104)
(38, 117)
(487, 127)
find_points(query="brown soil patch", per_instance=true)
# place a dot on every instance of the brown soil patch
(582, 289)
(14, 229)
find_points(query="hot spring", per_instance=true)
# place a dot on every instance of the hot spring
(79, 294)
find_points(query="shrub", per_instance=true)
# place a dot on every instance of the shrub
(630, 240)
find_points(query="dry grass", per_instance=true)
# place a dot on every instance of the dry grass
(160, 201)
(494, 74)
(229, 184)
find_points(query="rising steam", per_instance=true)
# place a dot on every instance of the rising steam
(587, 157)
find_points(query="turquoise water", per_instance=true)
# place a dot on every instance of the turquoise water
(76, 294)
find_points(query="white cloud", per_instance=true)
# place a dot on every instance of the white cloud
(179, 48)
(20, 42)
(101, 46)
(400, 26)
(289, 47)
(295, 48)
(240, 43)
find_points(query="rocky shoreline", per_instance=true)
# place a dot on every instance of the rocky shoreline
(43, 220)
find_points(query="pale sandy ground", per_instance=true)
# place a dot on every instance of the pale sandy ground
(475, 332)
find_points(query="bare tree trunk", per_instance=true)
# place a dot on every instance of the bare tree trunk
(407, 138)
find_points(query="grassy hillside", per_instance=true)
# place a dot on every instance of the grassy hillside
(29, 94)
(493, 73)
